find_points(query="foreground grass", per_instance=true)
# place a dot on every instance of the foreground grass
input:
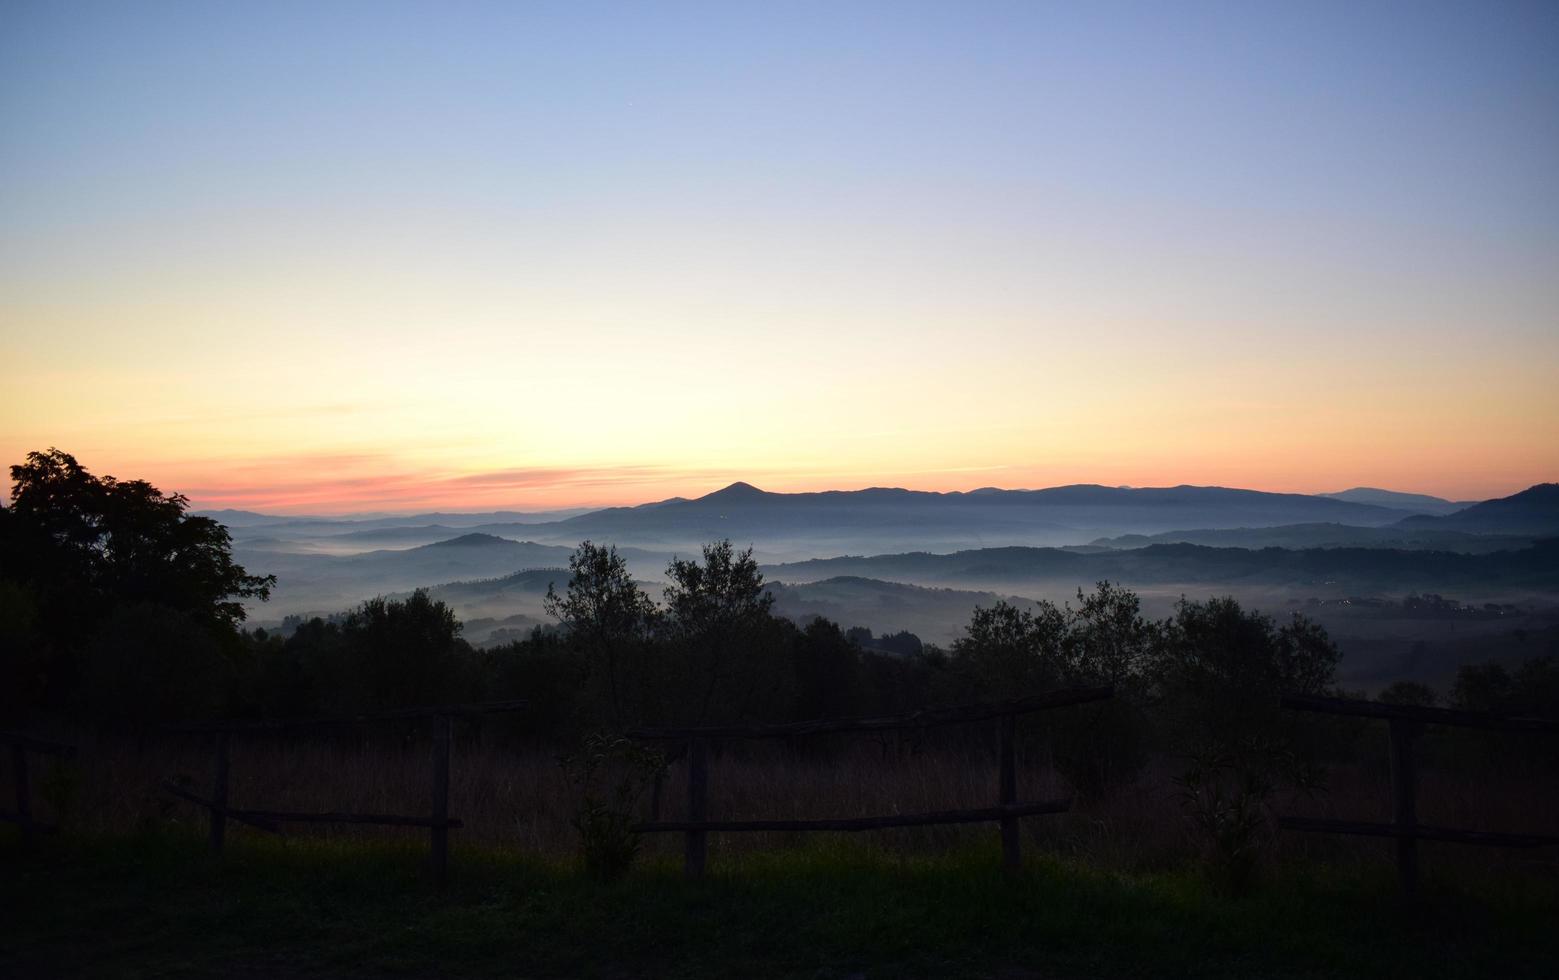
(157, 906)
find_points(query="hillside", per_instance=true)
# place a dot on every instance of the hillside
(935, 615)
(327, 583)
(1327, 536)
(1421, 503)
(1534, 511)
(1319, 570)
(804, 524)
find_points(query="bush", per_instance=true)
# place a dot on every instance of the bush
(613, 774)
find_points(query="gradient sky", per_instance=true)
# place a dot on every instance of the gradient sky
(334, 257)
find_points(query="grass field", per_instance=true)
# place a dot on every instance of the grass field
(157, 906)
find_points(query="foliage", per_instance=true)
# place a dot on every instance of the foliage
(608, 619)
(1533, 689)
(1226, 805)
(384, 653)
(109, 590)
(86, 542)
(1409, 693)
(612, 774)
(727, 646)
(149, 664)
(1010, 652)
(1215, 677)
(1217, 673)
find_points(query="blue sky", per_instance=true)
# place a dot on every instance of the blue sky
(1126, 242)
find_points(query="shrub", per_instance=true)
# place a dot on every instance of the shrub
(613, 774)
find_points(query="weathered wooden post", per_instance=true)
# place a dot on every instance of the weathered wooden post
(440, 829)
(1404, 800)
(219, 794)
(1011, 854)
(23, 791)
(697, 793)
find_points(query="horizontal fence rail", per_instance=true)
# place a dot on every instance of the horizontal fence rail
(1007, 811)
(439, 822)
(925, 718)
(306, 724)
(21, 744)
(1426, 716)
(1406, 723)
(1421, 832)
(850, 824)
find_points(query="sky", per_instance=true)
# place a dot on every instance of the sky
(331, 257)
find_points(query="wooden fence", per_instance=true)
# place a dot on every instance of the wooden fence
(1405, 725)
(21, 745)
(696, 827)
(439, 822)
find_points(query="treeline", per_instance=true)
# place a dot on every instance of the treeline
(117, 608)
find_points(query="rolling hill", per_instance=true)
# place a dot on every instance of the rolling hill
(1321, 569)
(1533, 511)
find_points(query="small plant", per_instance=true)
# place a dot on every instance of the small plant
(612, 774)
(59, 786)
(1226, 798)
(1226, 804)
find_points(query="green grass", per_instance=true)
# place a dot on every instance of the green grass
(157, 906)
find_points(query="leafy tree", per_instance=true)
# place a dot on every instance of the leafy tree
(1216, 676)
(82, 560)
(406, 651)
(149, 664)
(719, 623)
(828, 672)
(83, 541)
(608, 619)
(1219, 670)
(1108, 640)
(1100, 746)
(1009, 652)
(1482, 687)
(1409, 693)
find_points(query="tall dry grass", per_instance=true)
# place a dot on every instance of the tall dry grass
(513, 793)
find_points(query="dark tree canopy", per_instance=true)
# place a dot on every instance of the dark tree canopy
(97, 541)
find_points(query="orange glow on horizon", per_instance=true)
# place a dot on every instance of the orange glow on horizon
(342, 485)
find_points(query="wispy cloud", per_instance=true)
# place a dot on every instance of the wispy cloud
(348, 482)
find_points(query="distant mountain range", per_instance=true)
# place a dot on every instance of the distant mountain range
(1332, 569)
(787, 526)
(844, 521)
(1327, 536)
(1419, 503)
(309, 582)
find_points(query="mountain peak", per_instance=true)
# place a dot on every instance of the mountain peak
(474, 539)
(736, 491)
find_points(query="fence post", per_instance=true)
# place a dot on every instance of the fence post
(219, 794)
(1404, 800)
(697, 793)
(23, 792)
(1010, 848)
(440, 830)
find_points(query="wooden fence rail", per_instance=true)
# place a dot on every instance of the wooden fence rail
(22, 744)
(696, 828)
(1406, 723)
(439, 823)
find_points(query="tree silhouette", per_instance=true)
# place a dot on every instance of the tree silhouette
(112, 578)
(84, 541)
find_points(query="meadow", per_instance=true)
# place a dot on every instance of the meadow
(1117, 886)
